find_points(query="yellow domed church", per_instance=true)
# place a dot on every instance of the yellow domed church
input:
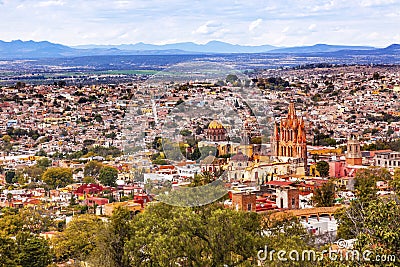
(216, 132)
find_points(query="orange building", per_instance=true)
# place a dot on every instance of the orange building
(353, 154)
(244, 201)
(289, 137)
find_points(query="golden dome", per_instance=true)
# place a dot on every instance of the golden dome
(215, 125)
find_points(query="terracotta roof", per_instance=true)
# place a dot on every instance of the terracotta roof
(167, 167)
(279, 183)
(208, 160)
(239, 157)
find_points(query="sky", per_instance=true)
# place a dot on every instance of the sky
(245, 22)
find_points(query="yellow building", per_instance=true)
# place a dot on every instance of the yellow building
(130, 205)
(325, 151)
(313, 171)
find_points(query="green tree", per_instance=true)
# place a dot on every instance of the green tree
(379, 231)
(256, 140)
(33, 172)
(195, 154)
(207, 151)
(231, 78)
(285, 233)
(159, 162)
(98, 118)
(365, 182)
(41, 153)
(72, 201)
(9, 197)
(168, 235)
(328, 142)
(26, 220)
(6, 138)
(111, 243)
(374, 223)
(157, 143)
(351, 220)
(317, 97)
(241, 230)
(92, 168)
(43, 163)
(185, 132)
(88, 180)
(207, 236)
(108, 176)
(10, 177)
(138, 175)
(324, 196)
(6, 146)
(323, 168)
(33, 251)
(36, 220)
(395, 183)
(202, 179)
(171, 150)
(78, 239)
(195, 195)
(8, 252)
(56, 177)
(10, 222)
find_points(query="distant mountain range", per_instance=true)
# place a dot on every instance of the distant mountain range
(210, 47)
(320, 48)
(221, 47)
(31, 49)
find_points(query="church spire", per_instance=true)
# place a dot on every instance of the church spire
(289, 136)
(292, 111)
(276, 131)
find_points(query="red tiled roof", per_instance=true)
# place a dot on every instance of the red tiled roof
(279, 183)
(166, 167)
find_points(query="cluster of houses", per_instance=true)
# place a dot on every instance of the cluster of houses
(264, 146)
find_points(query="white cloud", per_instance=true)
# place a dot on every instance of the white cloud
(254, 24)
(312, 27)
(324, 7)
(371, 3)
(282, 22)
(50, 3)
(209, 27)
(396, 39)
(373, 35)
(286, 29)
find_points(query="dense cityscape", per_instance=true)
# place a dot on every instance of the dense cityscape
(300, 148)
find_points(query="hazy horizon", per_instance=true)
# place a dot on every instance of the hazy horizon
(197, 43)
(278, 23)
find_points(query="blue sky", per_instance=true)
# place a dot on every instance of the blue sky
(246, 22)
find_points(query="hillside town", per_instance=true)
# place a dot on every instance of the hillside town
(280, 140)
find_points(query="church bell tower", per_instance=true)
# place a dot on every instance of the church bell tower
(353, 154)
